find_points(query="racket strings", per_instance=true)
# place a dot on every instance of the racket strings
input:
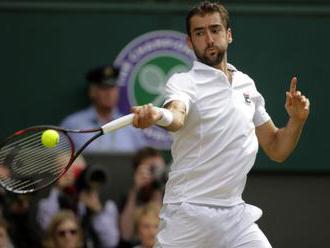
(23, 142)
(26, 164)
(37, 155)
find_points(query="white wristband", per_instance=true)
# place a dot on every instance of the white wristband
(167, 117)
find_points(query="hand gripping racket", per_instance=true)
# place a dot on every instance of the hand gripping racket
(27, 165)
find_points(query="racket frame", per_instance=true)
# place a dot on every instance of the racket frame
(73, 153)
(108, 127)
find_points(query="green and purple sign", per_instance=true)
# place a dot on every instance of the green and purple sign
(146, 64)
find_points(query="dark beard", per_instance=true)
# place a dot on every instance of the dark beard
(211, 62)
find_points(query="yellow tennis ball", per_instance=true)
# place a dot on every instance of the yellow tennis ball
(50, 138)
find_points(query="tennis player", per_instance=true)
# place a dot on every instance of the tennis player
(218, 118)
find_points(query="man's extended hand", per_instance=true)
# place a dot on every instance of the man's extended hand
(297, 105)
(145, 116)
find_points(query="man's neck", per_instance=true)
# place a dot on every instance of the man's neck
(223, 66)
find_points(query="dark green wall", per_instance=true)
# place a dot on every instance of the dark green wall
(46, 48)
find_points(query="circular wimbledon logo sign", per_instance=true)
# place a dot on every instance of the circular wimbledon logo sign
(146, 63)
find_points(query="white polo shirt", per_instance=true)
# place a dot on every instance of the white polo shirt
(217, 146)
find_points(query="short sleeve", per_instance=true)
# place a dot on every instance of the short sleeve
(179, 88)
(260, 116)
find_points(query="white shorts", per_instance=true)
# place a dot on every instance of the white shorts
(188, 225)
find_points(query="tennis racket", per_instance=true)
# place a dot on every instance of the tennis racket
(27, 165)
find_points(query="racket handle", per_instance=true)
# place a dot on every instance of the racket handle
(118, 123)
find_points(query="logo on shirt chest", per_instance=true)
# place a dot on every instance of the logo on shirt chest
(247, 98)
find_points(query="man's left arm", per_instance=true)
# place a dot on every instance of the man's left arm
(278, 143)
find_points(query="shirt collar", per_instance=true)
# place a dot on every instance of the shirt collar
(201, 66)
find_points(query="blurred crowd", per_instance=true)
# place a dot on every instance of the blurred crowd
(73, 212)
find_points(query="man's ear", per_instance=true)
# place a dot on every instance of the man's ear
(229, 36)
(189, 43)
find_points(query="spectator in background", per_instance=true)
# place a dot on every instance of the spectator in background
(149, 179)
(76, 192)
(103, 92)
(146, 222)
(21, 225)
(64, 231)
(61, 196)
(99, 218)
(4, 238)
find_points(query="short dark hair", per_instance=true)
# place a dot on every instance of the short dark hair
(207, 7)
(144, 153)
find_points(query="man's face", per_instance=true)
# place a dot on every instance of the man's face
(104, 96)
(209, 38)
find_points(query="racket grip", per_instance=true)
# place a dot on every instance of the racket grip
(118, 123)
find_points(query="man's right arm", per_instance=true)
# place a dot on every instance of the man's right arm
(148, 115)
